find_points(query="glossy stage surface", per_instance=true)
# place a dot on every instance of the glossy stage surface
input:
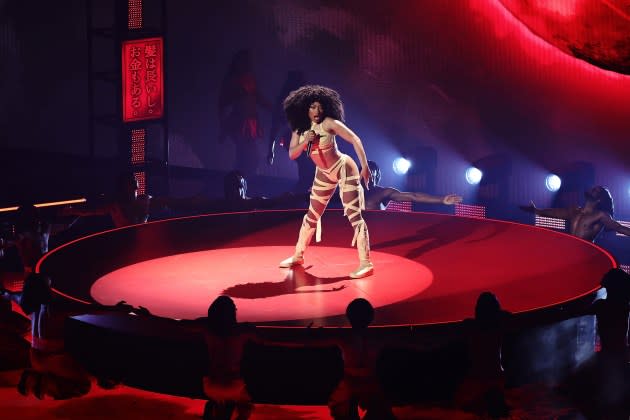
(429, 268)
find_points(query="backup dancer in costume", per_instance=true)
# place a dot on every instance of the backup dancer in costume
(315, 114)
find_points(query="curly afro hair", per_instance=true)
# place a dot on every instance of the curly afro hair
(296, 105)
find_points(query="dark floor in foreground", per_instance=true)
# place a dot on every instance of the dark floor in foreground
(530, 402)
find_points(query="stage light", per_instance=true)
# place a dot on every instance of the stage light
(401, 166)
(553, 182)
(473, 175)
(49, 204)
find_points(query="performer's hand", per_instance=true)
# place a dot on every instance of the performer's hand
(452, 199)
(310, 136)
(366, 175)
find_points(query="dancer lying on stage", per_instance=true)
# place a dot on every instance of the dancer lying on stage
(236, 198)
(589, 221)
(126, 208)
(316, 115)
(377, 197)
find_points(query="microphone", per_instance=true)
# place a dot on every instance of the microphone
(310, 143)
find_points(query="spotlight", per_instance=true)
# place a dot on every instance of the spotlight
(401, 166)
(473, 175)
(553, 182)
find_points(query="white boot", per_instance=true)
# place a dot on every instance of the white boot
(366, 268)
(304, 239)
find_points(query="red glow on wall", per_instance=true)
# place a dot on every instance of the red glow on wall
(143, 79)
(565, 8)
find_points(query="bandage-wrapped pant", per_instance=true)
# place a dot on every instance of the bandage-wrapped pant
(344, 173)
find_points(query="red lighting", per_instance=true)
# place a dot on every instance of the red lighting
(141, 177)
(398, 206)
(563, 8)
(134, 18)
(469, 210)
(551, 222)
(143, 79)
(137, 146)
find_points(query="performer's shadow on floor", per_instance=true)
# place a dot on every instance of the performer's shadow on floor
(442, 234)
(296, 278)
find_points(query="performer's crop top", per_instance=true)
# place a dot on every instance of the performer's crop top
(326, 140)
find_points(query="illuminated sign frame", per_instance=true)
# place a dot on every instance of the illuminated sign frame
(143, 79)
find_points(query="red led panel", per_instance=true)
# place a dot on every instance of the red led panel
(398, 206)
(134, 19)
(141, 177)
(470, 210)
(137, 146)
(143, 79)
(551, 222)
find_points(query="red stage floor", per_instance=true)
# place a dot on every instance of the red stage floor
(429, 268)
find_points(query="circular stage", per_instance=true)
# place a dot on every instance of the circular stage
(429, 268)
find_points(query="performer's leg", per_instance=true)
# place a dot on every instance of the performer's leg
(322, 191)
(341, 404)
(352, 193)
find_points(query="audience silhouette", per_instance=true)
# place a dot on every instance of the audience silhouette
(360, 386)
(482, 389)
(223, 384)
(601, 385)
(53, 371)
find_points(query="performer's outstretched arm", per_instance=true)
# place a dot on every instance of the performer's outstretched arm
(557, 213)
(611, 224)
(419, 197)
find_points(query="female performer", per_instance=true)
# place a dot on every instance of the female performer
(315, 114)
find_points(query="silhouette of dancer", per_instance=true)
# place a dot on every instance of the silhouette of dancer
(239, 100)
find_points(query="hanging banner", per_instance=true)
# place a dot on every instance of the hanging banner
(143, 79)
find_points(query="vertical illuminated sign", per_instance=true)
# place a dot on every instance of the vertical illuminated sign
(143, 79)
